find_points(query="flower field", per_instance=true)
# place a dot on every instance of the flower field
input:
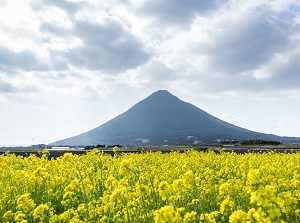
(151, 187)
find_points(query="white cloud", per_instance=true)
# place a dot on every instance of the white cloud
(246, 51)
(231, 118)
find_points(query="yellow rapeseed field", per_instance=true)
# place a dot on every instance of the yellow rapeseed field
(150, 187)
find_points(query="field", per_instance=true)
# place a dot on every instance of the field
(191, 186)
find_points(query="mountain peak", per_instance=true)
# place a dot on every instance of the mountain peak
(162, 92)
(161, 96)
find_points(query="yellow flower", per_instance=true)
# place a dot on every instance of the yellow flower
(39, 211)
(104, 219)
(274, 212)
(164, 189)
(239, 216)
(253, 177)
(20, 216)
(211, 187)
(68, 198)
(225, 189)
(81, 208)
(177, 185)
(24, 203)
(8, 215)
(189, 217)
(142, 190)
(210, 217)
(258, 215)
(167, 214)
(111, 182)
(45, 153)
(119, 193)
(73, 185)
(115, 149)
(226, 205)
(126, 167)
(68, 195)
(188, 179)
(66, 216)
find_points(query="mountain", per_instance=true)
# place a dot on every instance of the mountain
(161, 119)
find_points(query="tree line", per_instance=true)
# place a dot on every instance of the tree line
(259, 142)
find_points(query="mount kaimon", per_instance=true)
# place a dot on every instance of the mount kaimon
(164, 119)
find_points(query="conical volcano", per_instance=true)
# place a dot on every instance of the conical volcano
(161, 119)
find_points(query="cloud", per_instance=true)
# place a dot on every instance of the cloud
(233, 51)
(68, 44)
(68, 6)
(84, 52)
(105, 45)
(285, 70)
(224, 46)
(179, 13)
(25, 60)
(6, 87)
(108, 48)
(3, 3)
(246, 44)
(16, 85)
(231, 118)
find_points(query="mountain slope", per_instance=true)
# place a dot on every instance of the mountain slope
(162, 118)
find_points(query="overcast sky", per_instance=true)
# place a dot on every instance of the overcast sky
(67, 66)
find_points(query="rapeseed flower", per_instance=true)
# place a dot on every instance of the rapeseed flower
(25, 203)
(164, 189)
(239, 216)
(20, 217)
(190, 217)
(40, 212)
(150, 187)
(167, 214)
(126, 167)
(115, 149)
(226, 206)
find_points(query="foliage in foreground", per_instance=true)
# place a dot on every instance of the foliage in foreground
(150, 187)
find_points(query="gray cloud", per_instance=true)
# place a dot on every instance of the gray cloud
(24, 60)
(90, 54)
(286, 75)
(9, 87)
(107, 48)
(69, 7)
(247, 45)
(242, 46)
(6, 87)
(180, 12)
(53, 29)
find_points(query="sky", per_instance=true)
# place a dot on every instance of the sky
(68, 66)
